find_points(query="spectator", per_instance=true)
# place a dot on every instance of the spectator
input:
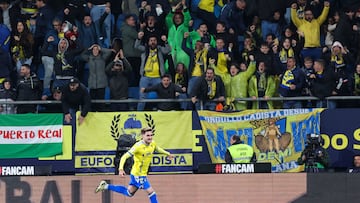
(221, 32)
(209, 89)
(238, 84)
(177, 22)
(233, 14)
(100, 12)
(21, 47)
(6, 65)
(249, 49)
(202, 34)
(310, 26)
(343, 32)
(7, 94)
(56, 94)
(166, 90)
(291, 84)
(308, 70)
(64, 68)
(286, 50)
(44, 17)
(356, 80)
(87, 32)
(205, 12)
(129, 35)
(96, 58)
(270, 16)
(28, 10)
(117, 70)
(50, 47)
(74, 95)
(340, 61)
(28, 89)
(330, 28)
(269, 58)
(262, 85)
(323, 84)
(181, 79)
(10, 13)
(152, 28)
(198, 61)
(222, 57)
(73, 10)
(70, 33)
(4, 38)
(152, 63)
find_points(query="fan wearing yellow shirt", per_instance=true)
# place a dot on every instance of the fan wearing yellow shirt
(142, 152)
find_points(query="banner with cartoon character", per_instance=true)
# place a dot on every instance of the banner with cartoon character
(96, 139)
(277, 136)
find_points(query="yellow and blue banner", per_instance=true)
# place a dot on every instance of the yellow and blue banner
(250, 125)
(96, 139)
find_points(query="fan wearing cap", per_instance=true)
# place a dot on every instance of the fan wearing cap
(75, 95)
(118, 71)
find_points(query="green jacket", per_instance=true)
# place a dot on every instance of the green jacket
(270, 90)
(176, 35)
(237, 86)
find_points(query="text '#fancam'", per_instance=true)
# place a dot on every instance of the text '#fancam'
(17, 170)
(234, 168)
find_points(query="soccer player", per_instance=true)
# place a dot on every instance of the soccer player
(142, 152)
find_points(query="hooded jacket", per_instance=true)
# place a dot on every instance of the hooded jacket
(28, 88)
(97, 65)
(64, 67)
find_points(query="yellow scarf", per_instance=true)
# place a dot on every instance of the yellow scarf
(211, 89)
(152, 66)
(285, 54)
(338, 60)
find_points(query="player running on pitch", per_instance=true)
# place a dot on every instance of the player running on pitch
(142, 152)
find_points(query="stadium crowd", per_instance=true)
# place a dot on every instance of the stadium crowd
(211, 50)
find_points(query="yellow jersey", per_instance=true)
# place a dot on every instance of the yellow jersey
(142, 154)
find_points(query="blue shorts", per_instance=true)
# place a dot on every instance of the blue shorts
(140, 182)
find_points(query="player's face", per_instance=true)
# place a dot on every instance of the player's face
(147, 137)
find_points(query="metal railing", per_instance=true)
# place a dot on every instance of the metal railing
(110, 101)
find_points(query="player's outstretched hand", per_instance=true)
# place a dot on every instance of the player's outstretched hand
(121, 173)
